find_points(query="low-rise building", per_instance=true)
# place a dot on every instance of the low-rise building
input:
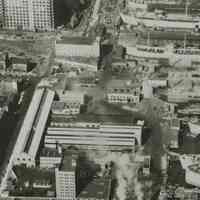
(150, 85)
(69, 96)
(123, 91)
(65, 108)
(192, 175)
(50, 158)
(175, 77)
(77, 47)
(33, 181)
(190, 163)
(8, 86)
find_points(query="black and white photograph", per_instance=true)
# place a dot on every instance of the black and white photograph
(99, 99)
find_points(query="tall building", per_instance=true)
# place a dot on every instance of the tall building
(1, 13)
(66, 178)
(28, 14)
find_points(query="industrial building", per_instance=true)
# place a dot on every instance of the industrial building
(28, 14)
(33, 126)
(91, 135)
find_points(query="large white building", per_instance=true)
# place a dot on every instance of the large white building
(28, 14)
(33, 126)
(93, 135)
(77, 47)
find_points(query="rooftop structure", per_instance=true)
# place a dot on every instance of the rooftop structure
(190, 164)
(176, 8)
(184, 91)
(169, 36)
(175, 77)
(70, 96)
(175, 56)
(169, 22)
(50, 158)
(193, 174)
(66, 108)
(98, 189)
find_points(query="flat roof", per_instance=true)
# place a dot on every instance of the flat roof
(126, 119)
(170, 35)
(192, 8)
(75, 40)
(121, 83)
(19, 60)
(49, 152)
(69, 161)
(97, 189)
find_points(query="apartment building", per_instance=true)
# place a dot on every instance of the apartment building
(28, 14)
(122, 91)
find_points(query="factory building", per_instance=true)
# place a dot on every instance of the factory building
(90, 135)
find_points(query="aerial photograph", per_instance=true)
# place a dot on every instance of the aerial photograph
(99, 99)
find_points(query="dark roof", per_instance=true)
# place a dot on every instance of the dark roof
(76, 40)
(3, 100)
(69, 162)
(33, 174)
(97, 189)
(123, 119)
(19, 60)
(49, 152)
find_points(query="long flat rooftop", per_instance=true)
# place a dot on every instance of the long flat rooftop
(75, 40)
(170, 35)
(127, 119)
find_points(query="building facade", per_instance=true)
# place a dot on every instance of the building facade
(66, 178)
(28, 14)
(1, 13)
(65, 184)
(122, 91)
